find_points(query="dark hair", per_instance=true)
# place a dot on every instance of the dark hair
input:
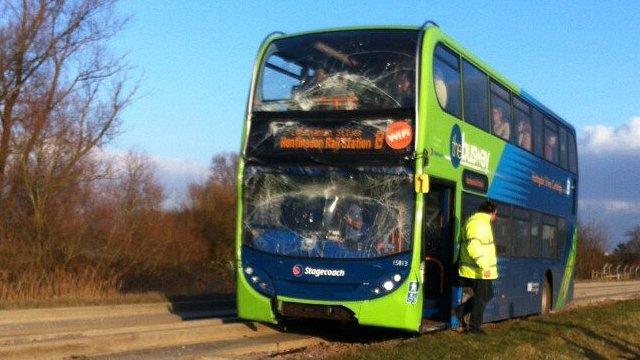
(487, 207)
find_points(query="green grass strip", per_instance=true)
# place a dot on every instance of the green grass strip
(604, 331)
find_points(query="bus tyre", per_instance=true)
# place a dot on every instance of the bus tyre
(545, 306)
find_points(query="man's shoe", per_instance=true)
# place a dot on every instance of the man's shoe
(478, 332)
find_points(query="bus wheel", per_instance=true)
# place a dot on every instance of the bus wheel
(545, 306)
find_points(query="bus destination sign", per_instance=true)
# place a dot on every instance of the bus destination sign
(357, 137)
(370, 135)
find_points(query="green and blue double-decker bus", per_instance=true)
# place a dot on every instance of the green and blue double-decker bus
(365, 150)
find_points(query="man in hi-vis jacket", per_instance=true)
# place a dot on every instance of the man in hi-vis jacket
(478, 265)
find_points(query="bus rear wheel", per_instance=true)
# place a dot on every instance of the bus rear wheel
(545, 303)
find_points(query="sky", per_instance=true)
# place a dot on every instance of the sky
(580, 58)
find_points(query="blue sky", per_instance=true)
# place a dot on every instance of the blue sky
(580, 58)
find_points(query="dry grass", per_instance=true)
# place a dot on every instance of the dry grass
(114, 239)
(34, 286)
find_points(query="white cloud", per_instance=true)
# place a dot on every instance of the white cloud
(180, 168)
(176, 175)
(601, 138)
(611, 207)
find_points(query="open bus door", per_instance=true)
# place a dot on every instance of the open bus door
(437, 254)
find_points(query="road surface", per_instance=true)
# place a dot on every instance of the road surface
(189, 330)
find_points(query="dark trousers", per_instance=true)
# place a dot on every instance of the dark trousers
(482, 293)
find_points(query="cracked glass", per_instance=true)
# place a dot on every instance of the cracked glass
(325, 212)
(346, 70)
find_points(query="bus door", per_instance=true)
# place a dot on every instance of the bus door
(437, 252)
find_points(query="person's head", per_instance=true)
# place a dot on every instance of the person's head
(497, 115)
(354, 216)
(402, 81)
(490, 208)
(524, 127)
(320, 75)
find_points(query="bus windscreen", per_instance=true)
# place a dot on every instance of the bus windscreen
(349, 70)
(328, 213)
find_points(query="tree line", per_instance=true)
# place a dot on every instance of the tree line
(75, 221)
(593, 242)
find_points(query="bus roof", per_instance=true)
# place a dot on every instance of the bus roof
(352, 28)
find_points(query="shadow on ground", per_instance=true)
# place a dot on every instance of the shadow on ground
(207, 306)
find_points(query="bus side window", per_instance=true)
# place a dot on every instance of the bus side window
(550, 141)
(476, 100)
(549, 237)
(573, 161)
(535, 249)
(562, 237)
(522, 113)
(521, 232)
(564, 162)
(470, 204)
(500, 111)
(446, 80)
(502, 231)
(538, 142)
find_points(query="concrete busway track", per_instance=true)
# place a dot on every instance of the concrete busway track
(190, 330)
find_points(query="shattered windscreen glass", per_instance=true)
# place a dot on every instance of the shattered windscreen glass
(347, 70)
(326, 212)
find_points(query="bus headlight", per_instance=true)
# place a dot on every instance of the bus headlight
(388, 285)
(259, 280)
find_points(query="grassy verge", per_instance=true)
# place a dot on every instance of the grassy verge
(608, 331)
(116, 299)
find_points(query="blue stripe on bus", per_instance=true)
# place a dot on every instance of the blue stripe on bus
(514, 183)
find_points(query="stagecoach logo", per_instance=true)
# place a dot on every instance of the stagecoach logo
(296, 270)
(467, 154)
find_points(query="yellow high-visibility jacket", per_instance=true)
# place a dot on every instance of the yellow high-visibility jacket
(477, 251)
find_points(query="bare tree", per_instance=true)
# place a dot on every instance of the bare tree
(223, 169)
(210, 212)
(136, 198)
(628, 252)
(61, 95)
(593, 239)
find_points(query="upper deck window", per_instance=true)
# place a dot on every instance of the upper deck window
(446, 80)
(500, 111)
(573, 161)
(538, 141)
(564, 162)
(476, 100)
(523, 124)
(551, 141)
(348, 70)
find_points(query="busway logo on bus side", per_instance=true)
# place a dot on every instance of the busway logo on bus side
(467, 154)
